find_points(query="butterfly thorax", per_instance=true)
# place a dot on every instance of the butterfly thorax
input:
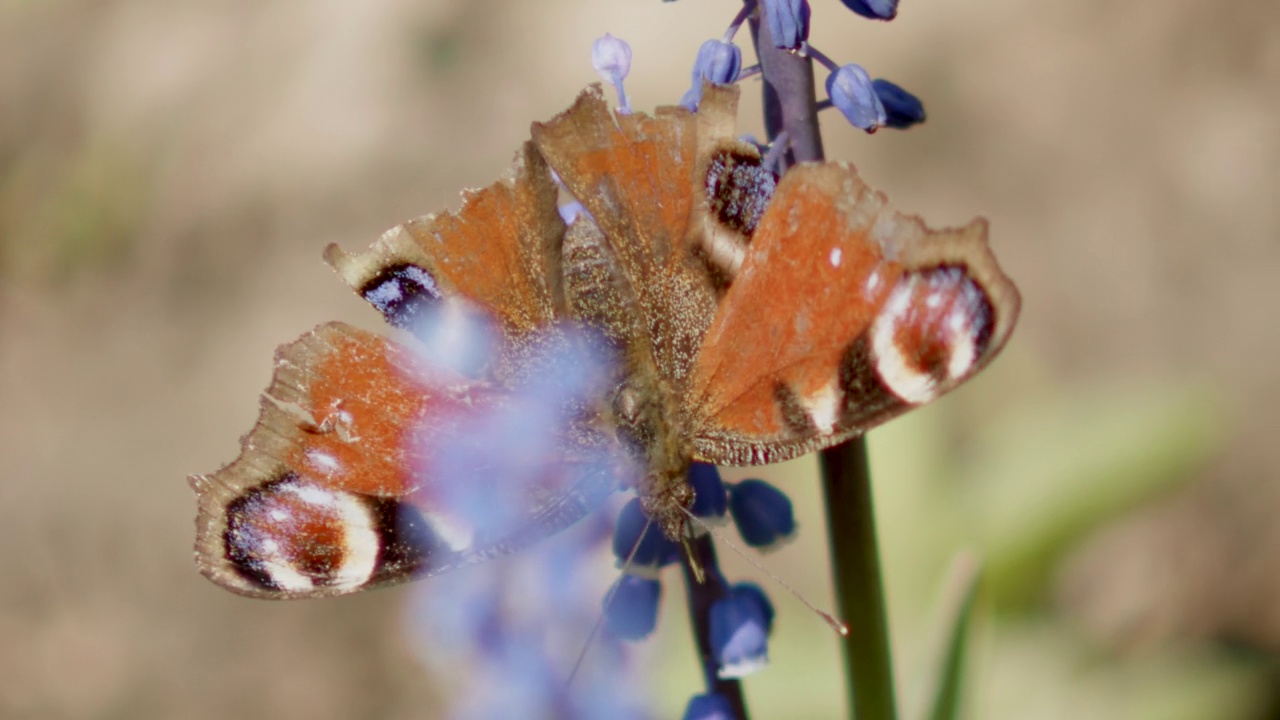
(651, 426)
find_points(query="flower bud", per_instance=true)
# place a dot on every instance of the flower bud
(632, 612)
(850, 90)
(611, 58)
(788, 21)
(637, 538)
(762, 513)
(718, 62)
(874, 9)
(901, 108)
(708, 707)
(739, 630)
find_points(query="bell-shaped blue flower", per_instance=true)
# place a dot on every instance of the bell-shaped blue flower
(850, 90)
(762, 513)
(754, 593)
(739, 630)
(874, 9)
(632, 611)
(708, 707)
(788, 21)
(718, 62)
(901, 108)
(710, 498)
(637, 538)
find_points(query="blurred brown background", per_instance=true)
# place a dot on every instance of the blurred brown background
(170, 172)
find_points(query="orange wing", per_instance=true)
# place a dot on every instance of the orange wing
(843, 314)
(364, 469)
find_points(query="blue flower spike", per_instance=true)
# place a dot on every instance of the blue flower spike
(719, 62)
(708, 707)
(647, 553)
(873, 9)
(850, 90)
(901, 108)
(788, 21)
(710, 497)
(611, 58)
(740, 625)
(762, 513)
(632, 612)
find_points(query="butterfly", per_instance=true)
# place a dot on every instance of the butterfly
(746, 318)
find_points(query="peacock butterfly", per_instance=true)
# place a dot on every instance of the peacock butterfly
(750, 319)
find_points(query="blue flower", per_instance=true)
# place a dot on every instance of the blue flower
(740, 624)
(874, 9)
(711, 499)
(718, 62)
(611, 58)
(788, 21)
(901, 108)
(850, 90)
(632, 611)
(708, 707)
(636, 537)
(762, 512)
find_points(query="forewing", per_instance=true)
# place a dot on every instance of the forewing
(500, 252)
(642, 182)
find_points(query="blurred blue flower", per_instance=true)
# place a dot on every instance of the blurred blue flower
(636, 538)
(901, 108)
(708, 707)
(850, 90)
(762, 513)
(631, 613)
(718, 62)
(788, 21)
(874, 9)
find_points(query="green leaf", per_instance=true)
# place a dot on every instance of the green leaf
(947, 685)
(1066, 467)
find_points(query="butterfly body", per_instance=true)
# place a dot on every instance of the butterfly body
(698, 308)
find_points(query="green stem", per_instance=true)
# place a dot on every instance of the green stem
(859, 584)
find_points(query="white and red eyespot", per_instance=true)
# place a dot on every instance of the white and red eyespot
(930, 333)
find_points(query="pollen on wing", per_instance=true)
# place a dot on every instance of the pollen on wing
(931, 332)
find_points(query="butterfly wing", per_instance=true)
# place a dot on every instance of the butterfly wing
(374, 462)
(641, 180)
(498, 257)
(843, 314)
(369, 466)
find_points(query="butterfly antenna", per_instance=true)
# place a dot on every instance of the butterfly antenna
(827, 617)
(604, 606)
